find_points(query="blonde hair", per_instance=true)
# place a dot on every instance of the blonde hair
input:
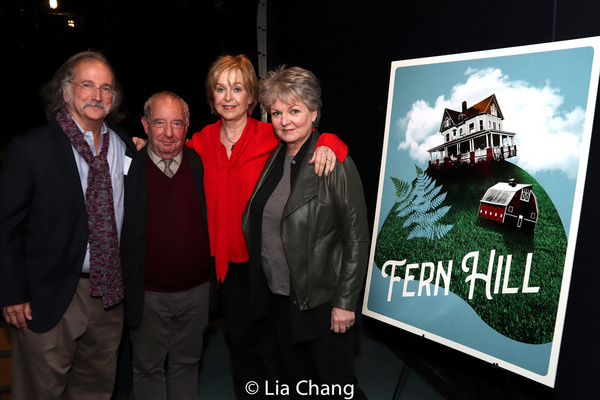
(227, 63)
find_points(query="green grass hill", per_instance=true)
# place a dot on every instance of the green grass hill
(525, 317)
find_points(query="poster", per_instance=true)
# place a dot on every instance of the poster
(479, 200)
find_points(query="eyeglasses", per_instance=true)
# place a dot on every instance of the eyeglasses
(88, 89)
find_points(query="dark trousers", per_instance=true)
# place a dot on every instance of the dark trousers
(255, 356)
(322, 368)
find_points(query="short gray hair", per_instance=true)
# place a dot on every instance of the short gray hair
(289, 85)
(167, 95)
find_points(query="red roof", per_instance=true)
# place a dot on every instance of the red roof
(483, 107)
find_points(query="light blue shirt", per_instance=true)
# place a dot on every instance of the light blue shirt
(117, 164)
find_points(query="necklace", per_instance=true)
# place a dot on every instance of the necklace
(231, 141)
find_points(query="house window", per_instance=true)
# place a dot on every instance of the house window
(510, 209)
(471, 127)
(525, 195)
(461, 132)
(481, 125)
(447, 122)
(494, 124)
(494, 111)
(533, 216)
(448, 137)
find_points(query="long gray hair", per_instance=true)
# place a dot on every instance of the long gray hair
(52, 92)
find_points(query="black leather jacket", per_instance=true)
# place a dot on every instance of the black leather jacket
(324, 231)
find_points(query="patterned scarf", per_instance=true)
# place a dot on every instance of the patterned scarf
(106, 279)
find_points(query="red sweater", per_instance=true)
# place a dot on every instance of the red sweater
(228, 183)
(177, 253)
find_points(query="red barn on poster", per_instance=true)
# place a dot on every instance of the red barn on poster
(510, 203)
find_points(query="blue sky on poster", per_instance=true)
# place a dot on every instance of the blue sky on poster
(543, 97)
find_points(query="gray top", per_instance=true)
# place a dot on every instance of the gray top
(273, 258)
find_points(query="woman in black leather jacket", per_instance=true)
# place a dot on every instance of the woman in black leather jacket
(308, 240)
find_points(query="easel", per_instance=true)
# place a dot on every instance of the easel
(499, 387)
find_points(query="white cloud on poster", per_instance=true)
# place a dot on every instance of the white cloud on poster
(548, 136)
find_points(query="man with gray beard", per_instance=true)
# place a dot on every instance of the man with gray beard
(66, 190)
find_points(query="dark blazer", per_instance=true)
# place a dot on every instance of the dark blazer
(133, 250)
(43, 222)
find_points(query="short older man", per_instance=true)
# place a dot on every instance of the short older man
(166, 258)
(65, 192)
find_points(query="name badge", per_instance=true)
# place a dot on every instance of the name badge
(127, 164)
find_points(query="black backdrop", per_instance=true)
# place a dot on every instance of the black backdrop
(167, 45)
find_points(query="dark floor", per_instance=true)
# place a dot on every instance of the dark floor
(391, 364)
(377, 367)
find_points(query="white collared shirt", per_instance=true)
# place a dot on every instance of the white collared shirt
(116, 164)
(159, 161)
